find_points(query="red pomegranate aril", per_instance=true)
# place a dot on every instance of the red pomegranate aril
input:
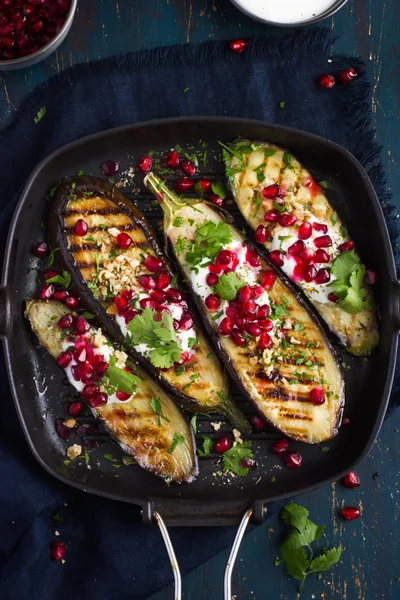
(212, 279)
(100, 364)
(241, 323)
(212, 302)
(89, 391)
(153, 264)
(268, 279)
(304, 231)
(158, 296)
(347, 75)
(184, 185)
(81, 325)
(263, 311)
(147, 282)
(326, 81)
(280, 446)
(324, 241)
(37, 26)
(293, 459)
(370, 277)
(226, 326)
(71, 302)
(205, 185)
(109, 168)
(129, 315)
(64, 359)
(322, 276)
(222, 444)
(247, 463)
(351, 480)
(232, 313)
(172, 159)
(253, 329)
(309, 273)
(350, 513)
(81, 227)
(287, 220)
(58, 550)
(188, 167)
(258, 424)
(186, 322)
(49, 274)
(124, 240)
(252, 258)
(20, 22)
(60, 295)
(216, 200)
(261, 234)
(276, 258)
(245, 293)
(66, 321)
(349, 245)
(75, 409)
(40, 249)
(332, 297)
(272, 216)
(147, 303)
(121, 303)
(174, 295)
(321, 256)
(98, 400)
(265, 341)
(271, 191)
(6, 42)
(28, 9)
(46, 292)
(145, 164)
(297, 247)
(266, 324)
(224, 257)
(163, 279)
(237, 337)
(248, 307)
(320, 227)
(238, 45)
(123, 396)
(317, 396)
(6, 29)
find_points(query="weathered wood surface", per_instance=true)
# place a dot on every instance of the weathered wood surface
(370, 568)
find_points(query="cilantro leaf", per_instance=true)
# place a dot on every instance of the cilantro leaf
(219, 189)
(207, 445)
(122, 380)
(282, 104)
(64, 279)
(232, 458)
(210, 237)
(40, 114)
(287, 160)
(294, 515)
(156, 405)
(228, 286)
(193, 422)
(296, 561)
(269, 152)
(177, 440)
(178, 221)
(326, 560)
(349, 285)
(344, 264)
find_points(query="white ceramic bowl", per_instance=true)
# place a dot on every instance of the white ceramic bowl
(260, 11)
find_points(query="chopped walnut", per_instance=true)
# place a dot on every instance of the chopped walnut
(74, 451)
(70, 423)
(294, 341)
(114, 231)
(288, 324)
(253, 360)
(217, 426)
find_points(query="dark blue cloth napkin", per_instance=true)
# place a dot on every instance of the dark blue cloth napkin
(111, 555)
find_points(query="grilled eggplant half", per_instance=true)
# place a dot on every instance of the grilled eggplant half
(270, 343)
(134, 409)
(120, 274)
(294, 220)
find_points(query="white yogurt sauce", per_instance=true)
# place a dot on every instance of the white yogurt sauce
(286, 11)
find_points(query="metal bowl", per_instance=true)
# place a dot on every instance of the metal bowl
(327, 13)
(44, 51)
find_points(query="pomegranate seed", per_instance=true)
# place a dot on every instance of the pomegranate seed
(124, 240)
(129, 315)
(268, 279)
(351, 480)
(40, 249)
(347, 75)
(71, 302)
(324, 241)
(37, 26)
(320, 227)
(216, 200)
(346, 246)
(370, 277)
(317, 396)
(261, 234)
(121, 303)
(265, 341)
(248, 308)
(247, 463)
(309, 273)
(81, 227)
(237, 337)
(287, 220)
(241, 323)
(6, 29)
(225, 257)
(75, 409)
(321, 256)
(245, 293)
(145, 164)
(350, 513)
(123, 396)
(258, 291)
(293, 459)
(147, 282)
(66, 321)
(62, 430)
(252, 258)
(212, 279)
(46, 292)
(147, 303)
(205, 185)
(276, 258)
(172, 160)
(297, 247)
(280, 446)
(346, 421)
(81, 325)
(253, 329)
(232, 313)
(332, 297)
(326, 81)
(186, 322)
(58, 550)
(188, 167)
(64, 359)
(60, 295)
(304, 231)
(99, 400)
(89, 391)
(238, 45)
(263, 311)
(222, 444)
(6, 42)
(212, 302)
(174, 295)
(271, 191)
(109, 168)
(162, 280)
(266, 324)
(158, 296)
(226, 326)
(258, 423)
(153, 264)
(322, 276)
(272, 216)
(184, 185)
(49, 274)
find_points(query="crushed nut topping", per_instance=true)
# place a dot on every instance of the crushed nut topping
(74, 451)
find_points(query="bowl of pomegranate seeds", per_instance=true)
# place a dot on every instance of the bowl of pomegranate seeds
(30, 30)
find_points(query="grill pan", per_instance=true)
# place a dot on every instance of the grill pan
(38, 389)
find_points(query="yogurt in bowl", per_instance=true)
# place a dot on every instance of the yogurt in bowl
(289, 12)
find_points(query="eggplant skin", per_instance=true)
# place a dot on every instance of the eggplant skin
(203, 386)
(305, 199)
(133, 423)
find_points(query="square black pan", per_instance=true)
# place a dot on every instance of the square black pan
(35, 379)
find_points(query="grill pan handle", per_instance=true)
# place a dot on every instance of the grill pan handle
(229, 565)
(5, 312)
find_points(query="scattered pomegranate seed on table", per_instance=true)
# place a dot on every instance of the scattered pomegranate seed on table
(172, 159)
(40, 249)
(326, 81)
(205, 185)
(75, 409)
(293, 459)
(184, 185)
(351, 480)
(145, 164)
(347, 75)
(280, 446)
(238, 45)
(58, 550)
(71, 302)
(346, 421)
(350, 513)
(258, 423)
(188, 167)
(247, 463)
(109, 168)
(222, 444)
(46, 292)
(216, 200)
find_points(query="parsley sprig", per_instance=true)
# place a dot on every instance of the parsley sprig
(177, 440)
(64, 280)
(228, 286)
(122, 380)
(210, 237)
(349, 284)
(232, 458)
(159, 336)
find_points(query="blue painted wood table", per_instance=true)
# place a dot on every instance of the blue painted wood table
(370, 567)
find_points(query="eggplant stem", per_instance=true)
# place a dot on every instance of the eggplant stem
(159, 188)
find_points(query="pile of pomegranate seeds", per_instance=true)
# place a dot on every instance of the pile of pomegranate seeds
(25, 27)
(327, 81)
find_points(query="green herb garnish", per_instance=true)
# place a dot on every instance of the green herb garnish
(349, 284)
(178, 221)
(64, 280)
(210, 237)
(207, 446)
(178, 439)
(155, 404)
(228, 286)
(325, 185)
(233, 457)
(219, 188)
(122, 380)
(40, 114)
(159, 336)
